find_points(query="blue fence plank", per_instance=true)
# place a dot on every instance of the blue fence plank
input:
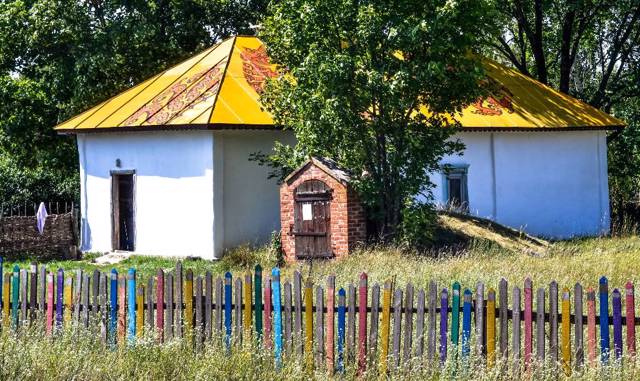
(131, 291)
(616, 301)
(444, 307)
(277, 316)
(227, 309)
(341, 327)
(113, 306)
(466, 323)
(59, 299)
(604, 320)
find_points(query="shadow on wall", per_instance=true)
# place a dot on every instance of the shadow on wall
(86, 236)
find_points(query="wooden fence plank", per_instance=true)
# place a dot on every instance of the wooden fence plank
(77, 296)
(397, 326)
(297, 314)
(68, 301)
(553, 322)
(237, 311)
(131, 296)
(219, 294)
(277, 316)
(384, 327)
(444, 306)
(503, 319)
(351, 323)
(227, 310)
(288, 316)
(33, 293)
(84, 308)
(246, 307)
(480, 319)
(591, 326)
(6, 299)
(178, 328)
(208, 305)
(140, 311)
(341, 329)
(604, 320)
(150, 304)
(257, 304)
(566, 332)
(455, 316)
(528, 321)
(420, 307)
(15, 296)
(466, 323)
(169, 307)
(362, 323)
(266, 316)
(516, 328)
(431, 324)
(578, 343)
(104, 307)
(59, 299)
(95, 297)
(491, 328)
(408, 325)
(630, 316)
(330, 321)
(49, 304)
(616, 301)
(319, 327)
(122, 309)
(113, 306)
(160, 305)
(198, 327)
(42, 292)
(24, 296)
(188, 308)
(308, 325)
(375, 320)
(540, 336)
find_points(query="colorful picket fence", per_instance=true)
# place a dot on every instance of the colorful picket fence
(380, 327)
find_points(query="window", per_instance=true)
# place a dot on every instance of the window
(455, 187)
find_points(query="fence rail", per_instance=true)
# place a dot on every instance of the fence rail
(380, 327)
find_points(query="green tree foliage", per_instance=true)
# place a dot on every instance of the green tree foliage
(60, 57)
(357, 74)
(591, 50)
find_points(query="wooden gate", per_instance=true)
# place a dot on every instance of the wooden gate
(312, 220)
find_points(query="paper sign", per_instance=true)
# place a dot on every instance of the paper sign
(307, 212)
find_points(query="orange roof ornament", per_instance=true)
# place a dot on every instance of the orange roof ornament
(220, 88)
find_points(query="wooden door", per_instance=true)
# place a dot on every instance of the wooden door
(312, 220)
(122, 211)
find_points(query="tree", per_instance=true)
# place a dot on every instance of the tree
(357, 75)
(58, 58)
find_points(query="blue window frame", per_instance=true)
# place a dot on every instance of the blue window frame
(454, 184)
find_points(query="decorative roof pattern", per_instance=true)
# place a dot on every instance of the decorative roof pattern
(220, 88)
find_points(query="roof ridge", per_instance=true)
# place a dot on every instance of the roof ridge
(224, 76)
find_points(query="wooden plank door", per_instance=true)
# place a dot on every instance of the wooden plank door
(312, 220)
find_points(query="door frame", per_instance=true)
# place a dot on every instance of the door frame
(115, 238)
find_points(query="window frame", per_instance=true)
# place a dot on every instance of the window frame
(460, 171)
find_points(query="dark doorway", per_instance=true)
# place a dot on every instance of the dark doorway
(312, 219)
(122, 204)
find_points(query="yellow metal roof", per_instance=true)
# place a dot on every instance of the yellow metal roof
(220, 87)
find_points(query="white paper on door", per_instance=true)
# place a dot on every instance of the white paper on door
(307, 212)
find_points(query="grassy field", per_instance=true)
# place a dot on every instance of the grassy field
(566, 262)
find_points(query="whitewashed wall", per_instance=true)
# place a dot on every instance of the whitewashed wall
(173, 188)
(250, 201)
(551, 184)
(196, 192)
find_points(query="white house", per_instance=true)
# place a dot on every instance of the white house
(165, 166)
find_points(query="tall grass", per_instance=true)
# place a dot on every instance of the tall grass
(77, 354)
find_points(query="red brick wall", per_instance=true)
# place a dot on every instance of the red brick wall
(348, 225)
